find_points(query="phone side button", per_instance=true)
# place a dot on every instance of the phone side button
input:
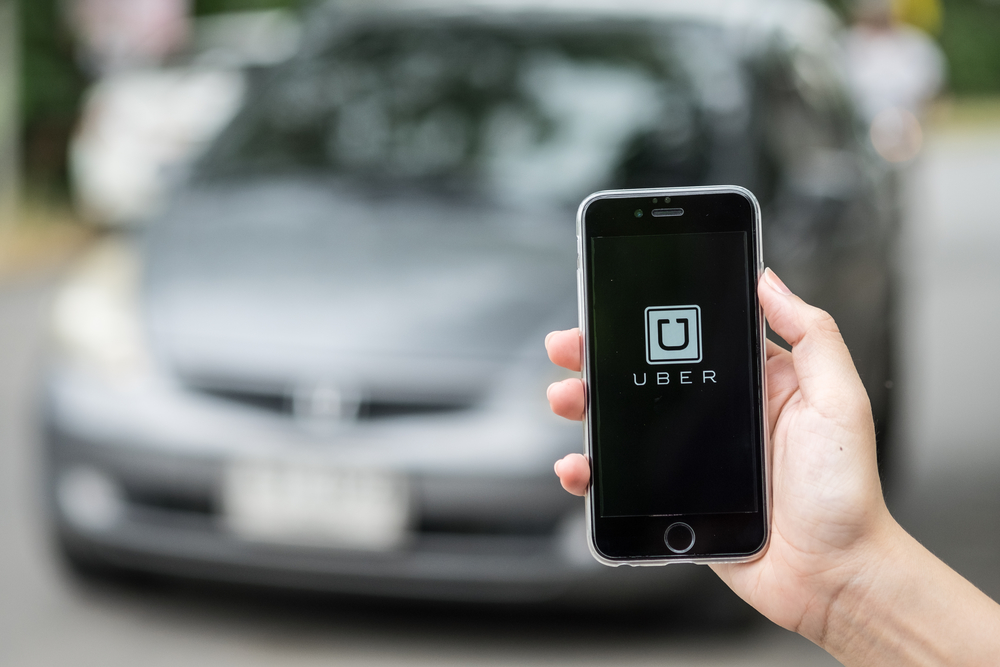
(679, 537)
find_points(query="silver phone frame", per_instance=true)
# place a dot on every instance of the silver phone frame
(583, 317)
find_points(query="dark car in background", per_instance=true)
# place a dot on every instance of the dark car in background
(322, 367)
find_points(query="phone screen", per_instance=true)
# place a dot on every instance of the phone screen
(673, 347)
(673, 374)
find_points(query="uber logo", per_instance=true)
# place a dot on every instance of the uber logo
(673, 334)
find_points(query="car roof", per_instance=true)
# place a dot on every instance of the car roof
(804, 22)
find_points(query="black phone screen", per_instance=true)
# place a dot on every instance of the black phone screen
(674, 374)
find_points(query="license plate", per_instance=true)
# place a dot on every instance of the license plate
(316, 505)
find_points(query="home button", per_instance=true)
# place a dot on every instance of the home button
(679, 538)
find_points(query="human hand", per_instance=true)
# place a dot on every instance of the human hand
(828, 515)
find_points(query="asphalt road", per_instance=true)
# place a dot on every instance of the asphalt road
(947, 496)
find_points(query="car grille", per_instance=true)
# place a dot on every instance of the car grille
(284, 403)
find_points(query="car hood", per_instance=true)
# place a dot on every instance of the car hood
(298, 281)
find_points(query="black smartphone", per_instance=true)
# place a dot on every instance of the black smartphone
(673, 362)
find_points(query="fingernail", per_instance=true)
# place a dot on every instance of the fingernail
(556, 466)
(550, 335)
(548, 391)
(775, 282)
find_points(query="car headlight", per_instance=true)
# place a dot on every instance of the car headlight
(96, 319)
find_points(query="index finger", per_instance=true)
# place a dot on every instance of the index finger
(564, 348)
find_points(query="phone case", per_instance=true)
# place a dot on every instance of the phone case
(582, 314)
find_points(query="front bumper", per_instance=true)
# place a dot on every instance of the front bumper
(489, 524)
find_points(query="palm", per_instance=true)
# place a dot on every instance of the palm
(817, 518)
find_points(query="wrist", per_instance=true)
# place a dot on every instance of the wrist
(853, 584)
(866, 585)
(904, 606)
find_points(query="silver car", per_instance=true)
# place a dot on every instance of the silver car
(322, 366)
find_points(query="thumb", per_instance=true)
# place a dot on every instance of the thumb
(823, 364)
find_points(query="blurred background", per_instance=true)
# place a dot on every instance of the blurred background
(218, 444)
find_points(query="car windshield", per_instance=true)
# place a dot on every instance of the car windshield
(535, 115)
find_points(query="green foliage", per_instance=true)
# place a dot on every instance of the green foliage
(970, 38)
(50, 82)
(50, 92)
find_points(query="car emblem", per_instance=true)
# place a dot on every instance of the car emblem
(324, 402)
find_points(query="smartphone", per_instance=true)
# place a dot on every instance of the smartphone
(673, 364)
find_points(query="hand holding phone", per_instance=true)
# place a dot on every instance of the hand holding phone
(829, 519)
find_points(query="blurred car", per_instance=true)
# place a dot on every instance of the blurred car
(322, 366)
